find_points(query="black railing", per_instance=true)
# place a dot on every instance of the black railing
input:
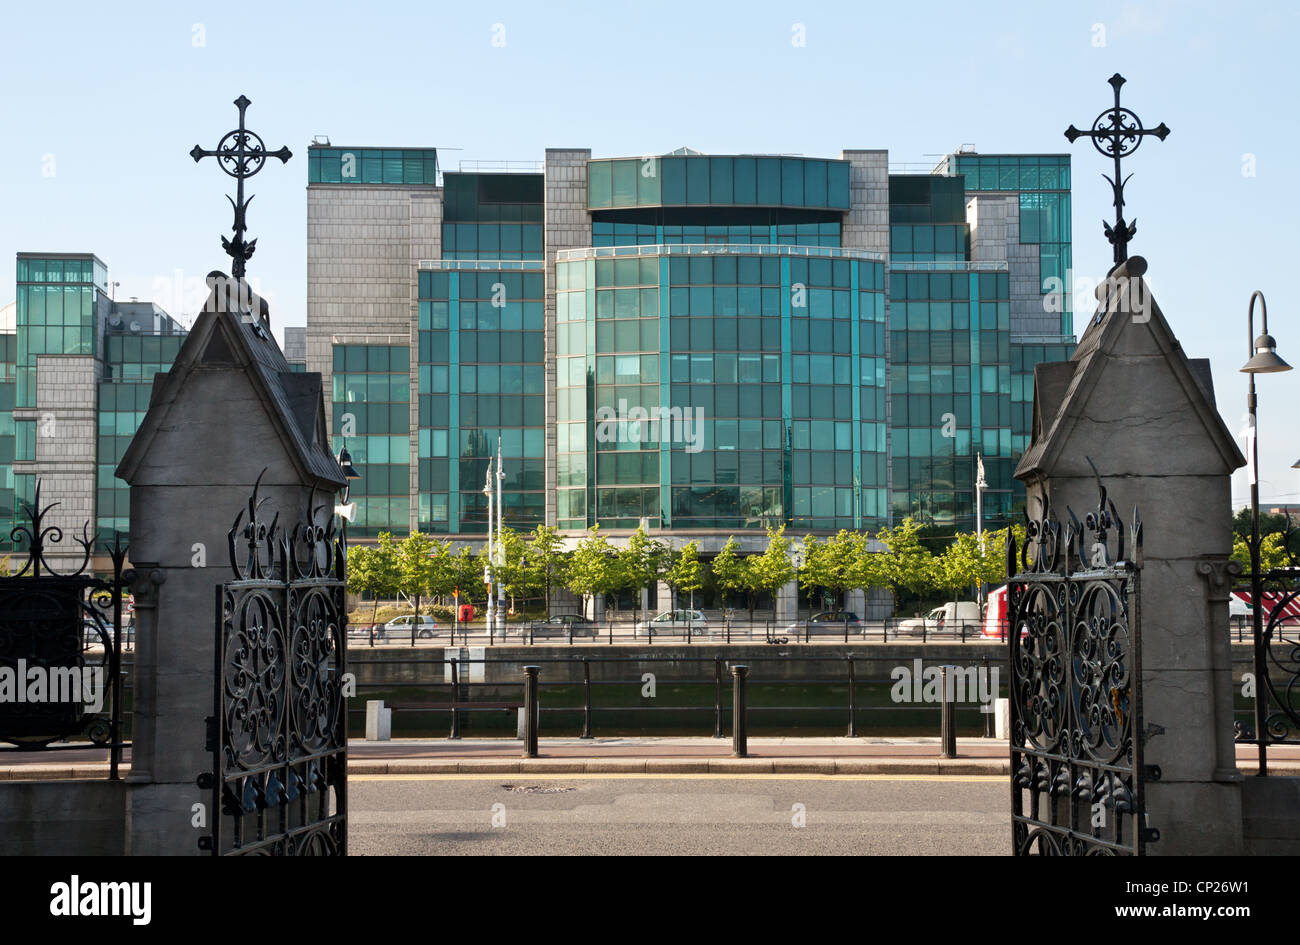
(611, 632)
(863, 690)
(67, 692)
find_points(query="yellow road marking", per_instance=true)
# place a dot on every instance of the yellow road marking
(669, 776)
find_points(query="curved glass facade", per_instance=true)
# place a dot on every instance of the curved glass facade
(717, 181)
(720, 386)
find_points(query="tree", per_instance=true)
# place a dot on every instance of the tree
(771, 570)
(686, 574)
(547, 561)
(728, 569)
(513, 575)
(963, 563)
(593, 568)
(906, 564)
(372, 569)
(1272, 552)
(641, 561)
(465, 570)
(829, 566)
(416, 567)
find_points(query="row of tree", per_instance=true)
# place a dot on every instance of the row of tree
(421, 568)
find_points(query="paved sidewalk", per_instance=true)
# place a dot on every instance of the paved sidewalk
(486, 756)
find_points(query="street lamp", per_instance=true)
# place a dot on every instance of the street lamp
(346, 510)
(980, 485)
(1263, 360)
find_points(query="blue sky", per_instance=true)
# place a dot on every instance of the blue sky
(102, 102)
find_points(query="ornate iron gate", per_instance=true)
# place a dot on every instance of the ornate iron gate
(279, 730)
(1076, 699)
(61, 644)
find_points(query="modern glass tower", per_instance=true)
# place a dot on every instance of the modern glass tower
(707, 344)
(76, 369)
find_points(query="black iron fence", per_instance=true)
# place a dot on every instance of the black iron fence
(1273, 680)
(587, 696)
(625, 631)
(57, 693)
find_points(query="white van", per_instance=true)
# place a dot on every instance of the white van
(949, 619)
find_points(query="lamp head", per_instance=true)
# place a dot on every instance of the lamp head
(1265, 359)
(345, 463)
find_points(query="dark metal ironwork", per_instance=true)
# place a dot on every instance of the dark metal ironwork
(1117, 132)
(55, 689)
(278, 735)
(1076, 698)
(1275, 611)
(241, 154)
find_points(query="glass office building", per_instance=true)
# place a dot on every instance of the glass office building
(705, 344)
(71, 353)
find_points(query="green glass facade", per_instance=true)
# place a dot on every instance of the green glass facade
(372, 418)
(492, 216)
(727, 354)
(55, 312)
(950, 381)
(717, 181)
(130, 363)
(8, 364)
(481, 380)
(1043, 185)
(407, 166)
(774, 358)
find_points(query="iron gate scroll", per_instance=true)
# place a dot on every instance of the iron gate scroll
(1076, 707)
(279, 730)
(61, 643)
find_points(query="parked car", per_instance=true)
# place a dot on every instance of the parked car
(830, 622)
(560, 625)
(950, 619)
(401, 626)
(90, 633)
(675, 623)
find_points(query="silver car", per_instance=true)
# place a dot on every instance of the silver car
(674, 623)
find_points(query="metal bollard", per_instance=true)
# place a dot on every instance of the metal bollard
(717, 697)
(455, 697)
(947, 714)
(586, 699)
(988, 709)
(853, 699)
(530, 711)
(739, 736)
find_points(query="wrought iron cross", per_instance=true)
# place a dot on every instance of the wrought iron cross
(1117, 133)
(241, 154)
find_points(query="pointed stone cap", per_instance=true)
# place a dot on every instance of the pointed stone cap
(1129, 394)
(231, 333)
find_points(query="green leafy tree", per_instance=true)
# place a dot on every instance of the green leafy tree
(465, 570)
(593, 568)
(373, 569)
(963, 564)
(641, 561)
(686, 575)
(547, 561)
(728, 569)
(1272, 552)
(830, 566)
(771, 570)
(514, 573)
(416, 567)
(906, 564)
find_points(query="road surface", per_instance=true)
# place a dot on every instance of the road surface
(677, 815)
